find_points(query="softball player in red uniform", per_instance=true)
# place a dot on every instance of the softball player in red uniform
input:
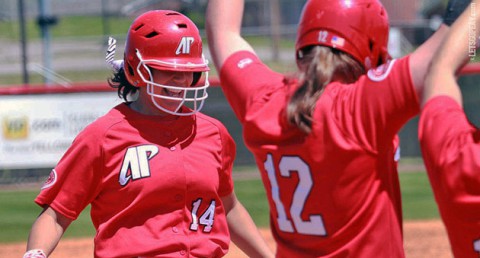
(156, 173)
(450, 143)
(324, 141)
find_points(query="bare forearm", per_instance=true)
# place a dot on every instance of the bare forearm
(223, 27)
(245, 234)
(46, 232)
(243, 231)
(225, 15)
(453, 54)
(457, 48)
(421, 59)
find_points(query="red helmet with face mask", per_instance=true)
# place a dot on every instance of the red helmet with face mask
(168, 41)
(357, 27)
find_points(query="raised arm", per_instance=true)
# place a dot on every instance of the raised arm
(454, 53)
(223, 27)
(421, 58)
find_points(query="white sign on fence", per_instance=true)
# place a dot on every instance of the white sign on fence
(37, 129)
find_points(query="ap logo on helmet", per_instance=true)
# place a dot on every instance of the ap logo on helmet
(184, 46)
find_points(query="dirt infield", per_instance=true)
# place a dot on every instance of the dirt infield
(422, 239)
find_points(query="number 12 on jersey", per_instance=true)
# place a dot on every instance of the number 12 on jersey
(287, 165)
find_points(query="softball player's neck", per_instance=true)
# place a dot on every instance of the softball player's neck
(145, 107)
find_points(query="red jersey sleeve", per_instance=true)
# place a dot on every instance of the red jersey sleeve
(74, 182)
(228, 157)
(246, 80)
(374, 108)
(451, 151)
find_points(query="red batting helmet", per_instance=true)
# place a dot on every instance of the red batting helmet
(357, 27)
(169, 41)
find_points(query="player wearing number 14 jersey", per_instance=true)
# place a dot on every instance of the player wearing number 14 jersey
(156, 172)
(325, 140)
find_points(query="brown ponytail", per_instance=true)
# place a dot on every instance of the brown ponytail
(319, 66)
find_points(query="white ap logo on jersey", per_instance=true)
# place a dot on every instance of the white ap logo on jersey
(184, 46)
(135, 163)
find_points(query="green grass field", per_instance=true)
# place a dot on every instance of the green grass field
(18, 210)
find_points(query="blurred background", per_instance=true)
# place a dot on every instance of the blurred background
(53, 83)
(52, 44)
(59, 41)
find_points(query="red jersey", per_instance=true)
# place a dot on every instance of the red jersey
(451, 153)
(334, 192)
(154, 185)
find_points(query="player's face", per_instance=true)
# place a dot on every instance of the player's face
(169, 78)
(179, 79)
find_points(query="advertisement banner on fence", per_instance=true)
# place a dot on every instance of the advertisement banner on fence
(37, 129)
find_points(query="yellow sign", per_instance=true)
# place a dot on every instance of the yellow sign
(15, 127)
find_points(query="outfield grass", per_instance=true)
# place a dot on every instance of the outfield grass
(418, 201)
(67, 26)
(18, 210)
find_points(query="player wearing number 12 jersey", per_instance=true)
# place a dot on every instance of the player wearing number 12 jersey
(325, 140)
